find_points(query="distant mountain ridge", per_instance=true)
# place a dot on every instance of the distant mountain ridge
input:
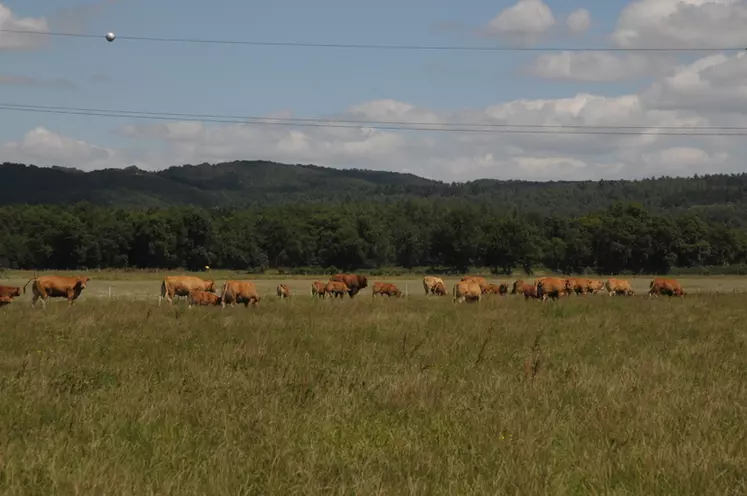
(257, 183)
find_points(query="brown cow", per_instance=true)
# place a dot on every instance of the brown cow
(384, 288)
(479, 280)
(467, 290)
(661, 286)
(56, 287)
(439, 289)
(578, 285)
(239, 292)
(521, 287)
(552, 287)
(499, 289)
(182, 285)
(596, 287)
(618, 287)
(336, 288)
(354, 282)
(203, 298)
(283, 291)
(317, 289)
(10, 291)
(429, 284)
(5, 300)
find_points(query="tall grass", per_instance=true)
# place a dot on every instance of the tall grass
(585, 395)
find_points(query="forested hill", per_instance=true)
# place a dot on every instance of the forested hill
(256, 183)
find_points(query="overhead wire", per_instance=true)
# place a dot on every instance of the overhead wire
(305, 44)
(455, 127)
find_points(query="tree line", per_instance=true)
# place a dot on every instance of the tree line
(411, 234)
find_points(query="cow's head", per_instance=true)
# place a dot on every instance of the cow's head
(15, 292)
(81, 282)
(210, 286)
(362, 282)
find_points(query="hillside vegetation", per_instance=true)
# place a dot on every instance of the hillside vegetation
(254, 183)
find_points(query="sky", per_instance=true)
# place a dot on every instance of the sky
(643, 90)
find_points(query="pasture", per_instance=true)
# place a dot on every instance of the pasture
(596, 394)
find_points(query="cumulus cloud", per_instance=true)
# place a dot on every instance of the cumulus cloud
(15, 41)
(41, 146)
(598, 66)
(579, 21)
(678, 23)
(525, 21)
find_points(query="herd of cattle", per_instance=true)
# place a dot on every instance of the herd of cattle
(471, 288)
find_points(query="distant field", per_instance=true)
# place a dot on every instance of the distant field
(593, 395)
(147, 285)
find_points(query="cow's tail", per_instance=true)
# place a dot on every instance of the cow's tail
(27, 283)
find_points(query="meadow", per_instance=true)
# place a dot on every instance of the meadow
(587, 395)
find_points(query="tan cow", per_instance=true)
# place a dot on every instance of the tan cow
(618, 287)
(521, 287)
(182, 286)
(56, 287)
(283, 291)
(467, 291)
(479, 280)
(661, 286)
(239, 292)
(317, 289)
(439, 289)
(10, 291)
(429, 284)
(203, 298)
(385, 288)
(336, 288)
(596, 287)
(499, 289)
(552, 287)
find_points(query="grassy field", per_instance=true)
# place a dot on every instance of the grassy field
(587, 395)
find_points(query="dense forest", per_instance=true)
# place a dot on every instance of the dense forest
(249, 184)
(409, 234)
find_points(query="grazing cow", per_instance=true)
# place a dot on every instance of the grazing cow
(521, 287)
(239, 292)
(439, 289)
(499, 289)
(429, 284)
(618, 287)
(336, 288)
(479, 280)
(661, 286)
(503, 289)
(317, 289)
(384, 288)
(203, 298)
(10, 291)
(182, 286)
(283, 291)
(354, 282)
(552, 287)
(578, 285)
(5, 300)
(56, 287)
(596, 287)
(467, 290)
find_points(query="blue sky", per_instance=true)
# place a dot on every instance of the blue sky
(309, 82)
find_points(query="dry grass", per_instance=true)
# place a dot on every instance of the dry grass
(582, 396)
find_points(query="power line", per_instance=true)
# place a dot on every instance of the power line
(362, 123)
(303, 44)
(388, 126)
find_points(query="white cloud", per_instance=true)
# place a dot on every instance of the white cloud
(579, 21)
(524, 21)
(41, 146)
(15, 41)
(598, 66)
(678, 23)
